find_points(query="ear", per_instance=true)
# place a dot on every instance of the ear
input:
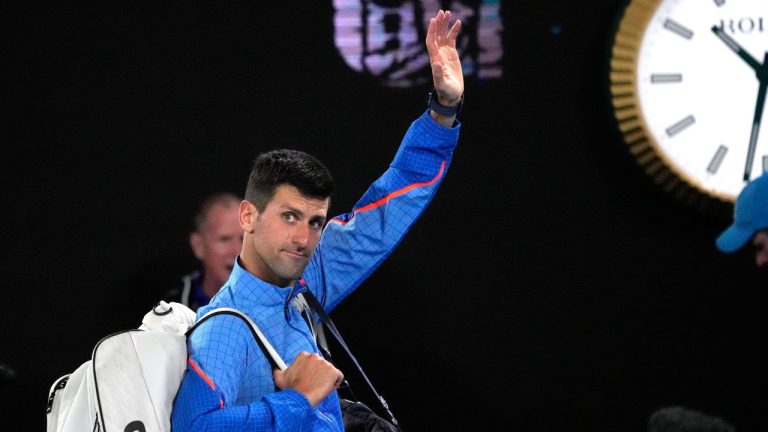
(196, 244)
(248, 214)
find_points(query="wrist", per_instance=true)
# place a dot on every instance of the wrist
(448, 102)
(442, 106)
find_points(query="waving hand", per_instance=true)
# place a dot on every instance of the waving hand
(446, 64)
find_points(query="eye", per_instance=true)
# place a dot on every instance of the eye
(289, 217)
(316, 223)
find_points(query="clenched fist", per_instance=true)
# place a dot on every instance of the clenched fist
(310, 375)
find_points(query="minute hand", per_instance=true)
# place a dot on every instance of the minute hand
(761, 71)
(762, 76)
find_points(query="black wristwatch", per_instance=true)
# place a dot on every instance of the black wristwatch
(441, 109)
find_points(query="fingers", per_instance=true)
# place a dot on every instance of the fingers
(339, 379)
(279, 377)
(454, 33)
(443, 57)
(432, 38)
(444, 18)
(438, 33)
(310, 375)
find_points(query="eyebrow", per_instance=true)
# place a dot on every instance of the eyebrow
(295, 210)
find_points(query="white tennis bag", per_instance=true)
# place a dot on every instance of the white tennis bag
(131, 380)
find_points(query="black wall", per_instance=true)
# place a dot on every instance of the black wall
(550, 285)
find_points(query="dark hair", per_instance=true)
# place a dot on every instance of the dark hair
(681, 419)
(291, 167)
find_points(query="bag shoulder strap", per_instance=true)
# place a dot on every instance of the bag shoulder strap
(316, 307)
(269, 351)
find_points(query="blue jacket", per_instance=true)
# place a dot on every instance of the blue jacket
(228, 384)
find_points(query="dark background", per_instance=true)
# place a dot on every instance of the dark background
(550, 286)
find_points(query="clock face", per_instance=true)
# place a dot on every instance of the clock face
(699, 78)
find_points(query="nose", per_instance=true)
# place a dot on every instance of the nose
(301, 236)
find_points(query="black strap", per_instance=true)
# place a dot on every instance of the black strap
(316, 307)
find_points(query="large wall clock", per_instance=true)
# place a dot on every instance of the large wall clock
(688, 83)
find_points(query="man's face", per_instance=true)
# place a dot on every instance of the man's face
(760, 242)
(218, 242)
(280, 240)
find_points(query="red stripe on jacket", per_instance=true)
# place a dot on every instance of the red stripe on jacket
(394, 194)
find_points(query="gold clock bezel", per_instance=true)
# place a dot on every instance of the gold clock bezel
(631, 121)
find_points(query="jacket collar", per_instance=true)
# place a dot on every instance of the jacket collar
(250, 291)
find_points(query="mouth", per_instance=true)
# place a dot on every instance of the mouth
(295, 255)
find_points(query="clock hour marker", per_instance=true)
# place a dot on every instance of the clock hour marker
(714, 164)
(666, 78)
(678, 28)
(680, 126)
(719, 3)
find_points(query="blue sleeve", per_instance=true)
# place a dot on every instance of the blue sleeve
(198, 408)
(216, 374)
(354, 244)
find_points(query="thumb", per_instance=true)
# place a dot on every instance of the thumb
(279, 377)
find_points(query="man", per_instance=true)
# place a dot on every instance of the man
(681, 419)
(229, 384)
(215, 240)
(750, 222)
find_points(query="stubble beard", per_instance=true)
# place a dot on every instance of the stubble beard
(286, 272)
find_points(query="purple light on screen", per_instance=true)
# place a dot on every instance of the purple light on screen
(387, 41)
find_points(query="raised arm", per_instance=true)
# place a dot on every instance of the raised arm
(354, 244)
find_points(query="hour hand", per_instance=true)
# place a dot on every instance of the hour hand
(735, 47)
